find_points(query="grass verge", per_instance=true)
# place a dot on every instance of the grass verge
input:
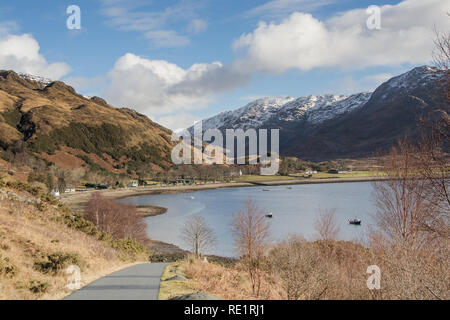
(175, 288)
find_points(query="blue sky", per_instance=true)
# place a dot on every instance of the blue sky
(182, 60)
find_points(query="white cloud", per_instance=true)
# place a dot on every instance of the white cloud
(178, 121)
(81, 83)
(21, 54)
(167, 92)
(197, 26)
(251, 98)
(158, 87)
(304, 42)
(167, 38)
(349, 85)
(377, 79)
(8, 27)
(157, 26)
(278, 8)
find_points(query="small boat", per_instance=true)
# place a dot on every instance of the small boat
(266, 190)
(355, 222)
(192, 198)
(269, 215)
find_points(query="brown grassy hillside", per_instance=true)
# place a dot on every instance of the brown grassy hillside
(39, 239)
(54, 120)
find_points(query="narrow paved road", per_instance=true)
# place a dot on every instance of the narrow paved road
(140, 282)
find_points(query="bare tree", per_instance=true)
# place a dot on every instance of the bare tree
(441, 52)
(434, 168)
(120, 220)
(198, 235)
(326, 224)
(251, 235)
(441, 57)
(401, 200)
(296, 262)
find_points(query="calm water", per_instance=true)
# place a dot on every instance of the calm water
(295, 210)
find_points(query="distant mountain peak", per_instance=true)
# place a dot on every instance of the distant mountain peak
(331, 126)
(265, 112)
(417, 76)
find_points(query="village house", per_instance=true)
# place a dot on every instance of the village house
(133, 184)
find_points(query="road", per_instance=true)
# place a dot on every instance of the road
(140, 282)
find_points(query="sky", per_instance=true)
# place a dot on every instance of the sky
(179, 61)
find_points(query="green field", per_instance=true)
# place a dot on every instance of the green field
(353, 174)
(320, 175)
(252, 178)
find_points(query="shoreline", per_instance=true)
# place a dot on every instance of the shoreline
(166, 251)
(78, 200)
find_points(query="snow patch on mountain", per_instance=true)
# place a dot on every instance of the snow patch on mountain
(335, 106)
(42, 80)
(419, 76)
(260, 113)
(252, 115)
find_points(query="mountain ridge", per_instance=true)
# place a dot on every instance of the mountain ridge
(314, 127)
(51, 117)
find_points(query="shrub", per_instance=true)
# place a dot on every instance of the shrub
(75, 221)
(167, 257)
(93, 166)
(35, 191)
(48, 198)
(127, 246)
(7, 268)
(41, 206)
(97, 140)
(37, 286)
(12, 117)
(56, 261)
(130, 246)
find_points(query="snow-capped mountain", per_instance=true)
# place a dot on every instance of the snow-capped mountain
(417, 77)
(314, 109)
(329, 126)
(253, 115)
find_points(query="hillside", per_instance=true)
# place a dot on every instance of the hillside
(40, 239)
(51, 121)
(328, 127)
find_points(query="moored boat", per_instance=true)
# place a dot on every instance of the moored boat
(356, 222)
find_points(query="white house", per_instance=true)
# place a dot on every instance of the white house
(55, 193)
(133, 184)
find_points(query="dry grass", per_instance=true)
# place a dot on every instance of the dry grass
(325, 270)
(229, 283)
(254, 178)
(172, 289)
(352, 174)
(28, 235)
